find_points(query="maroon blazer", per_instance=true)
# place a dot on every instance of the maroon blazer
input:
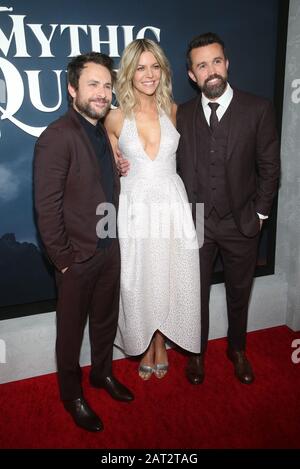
(252, 162)
(67, 187)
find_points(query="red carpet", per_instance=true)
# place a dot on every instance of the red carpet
(171, 413)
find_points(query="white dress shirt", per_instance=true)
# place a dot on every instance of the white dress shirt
(223, 102)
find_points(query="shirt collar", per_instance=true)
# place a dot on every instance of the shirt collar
(223, 100)
(87, 124)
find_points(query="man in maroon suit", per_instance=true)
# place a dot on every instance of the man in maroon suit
(228, 158)
(74, 172)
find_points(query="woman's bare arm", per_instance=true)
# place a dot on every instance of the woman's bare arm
(113, 124)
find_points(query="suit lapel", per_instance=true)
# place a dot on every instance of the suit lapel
(236, 123)
(91, 152)
(115, 171)
(90, 149)
(196, 115)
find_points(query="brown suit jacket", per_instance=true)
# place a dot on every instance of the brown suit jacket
(67, 187)
(252, 162)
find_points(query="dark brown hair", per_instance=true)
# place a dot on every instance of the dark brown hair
(200, 41)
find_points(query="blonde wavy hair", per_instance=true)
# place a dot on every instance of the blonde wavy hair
(128, 66)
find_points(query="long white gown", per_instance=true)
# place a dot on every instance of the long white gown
(160, 274)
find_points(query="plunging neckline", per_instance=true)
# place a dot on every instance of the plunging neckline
(141, 143)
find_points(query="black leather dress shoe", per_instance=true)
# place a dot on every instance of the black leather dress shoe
(242, 367)
(114, 388)
(83, 415)
(195, 369)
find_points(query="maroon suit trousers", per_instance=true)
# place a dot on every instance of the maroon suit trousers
(87, 289)
(239, 255)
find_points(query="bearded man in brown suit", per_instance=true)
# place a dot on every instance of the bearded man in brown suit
(228, 158)
(74, 172)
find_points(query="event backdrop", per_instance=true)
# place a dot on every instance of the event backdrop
(37, 40)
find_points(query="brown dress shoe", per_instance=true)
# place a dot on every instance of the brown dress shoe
(83, 415)
(195, 369)
(242, 367)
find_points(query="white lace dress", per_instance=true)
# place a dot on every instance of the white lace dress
(160, 275)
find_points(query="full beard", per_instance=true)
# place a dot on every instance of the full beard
(214, 91)
(85, 108)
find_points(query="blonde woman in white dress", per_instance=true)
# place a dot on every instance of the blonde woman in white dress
(160, 278)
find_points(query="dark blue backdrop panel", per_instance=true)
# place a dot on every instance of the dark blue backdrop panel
(36, 42)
